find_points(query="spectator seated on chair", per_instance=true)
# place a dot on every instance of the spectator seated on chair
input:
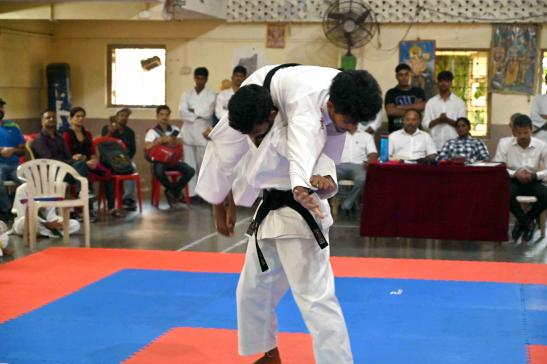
(80, 144)
(359, 149)
(525, 157)
(411, 143)
(49, 224)
(117, 128)
(165, 134)
(49, 144)
(12, 146)
(464, 148)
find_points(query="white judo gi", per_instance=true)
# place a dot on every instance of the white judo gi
(300, 93)
(289, 247)
(49, 215)
(294, 259)
(196, 111)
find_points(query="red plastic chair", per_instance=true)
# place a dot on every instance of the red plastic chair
(119, 179)
(156, 188)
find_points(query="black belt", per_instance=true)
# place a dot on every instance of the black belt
(273, 200)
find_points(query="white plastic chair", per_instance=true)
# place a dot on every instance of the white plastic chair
(46, 188)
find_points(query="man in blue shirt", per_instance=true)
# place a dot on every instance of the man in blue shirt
(12, 146)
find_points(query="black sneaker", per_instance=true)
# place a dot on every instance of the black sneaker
(517, 231)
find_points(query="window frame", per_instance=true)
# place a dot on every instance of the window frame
(542, 56)
(488, 92)
(110, 48)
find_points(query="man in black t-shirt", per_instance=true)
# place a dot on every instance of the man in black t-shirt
(117, 128)
(402, 97)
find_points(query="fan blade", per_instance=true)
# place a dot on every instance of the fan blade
(336, 16)
(331, 30)
(362, 17)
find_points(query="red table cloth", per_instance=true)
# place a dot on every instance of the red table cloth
(448, 202)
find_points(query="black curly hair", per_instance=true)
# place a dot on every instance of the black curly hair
(357, 94)
(248, 107)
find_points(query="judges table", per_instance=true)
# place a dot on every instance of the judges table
(448, 202)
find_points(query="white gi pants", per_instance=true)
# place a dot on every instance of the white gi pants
(193, 156)
(301, 265)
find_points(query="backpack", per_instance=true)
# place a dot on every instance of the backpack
(114, 157)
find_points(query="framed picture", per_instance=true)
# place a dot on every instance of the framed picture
(420, 56)
(275, 36)
(514, 58)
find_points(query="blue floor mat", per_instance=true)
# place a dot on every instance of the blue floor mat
(390, 320)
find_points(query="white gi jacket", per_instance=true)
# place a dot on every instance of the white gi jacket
(195, 122)
(267, 167)
(301, 94)
(538, 108)
(221, 104)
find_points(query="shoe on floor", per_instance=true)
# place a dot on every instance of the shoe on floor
(129, 205)
(171, 199)
(517, 231)
(528, 234)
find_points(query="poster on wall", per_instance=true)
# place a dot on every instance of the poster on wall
(514, 58)
(420, 56)
(58, 92)
(275, 36)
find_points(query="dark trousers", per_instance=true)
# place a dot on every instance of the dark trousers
(174, 187)
(537, 189)
(82, 169)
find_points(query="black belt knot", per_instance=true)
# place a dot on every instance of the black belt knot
(273, 200)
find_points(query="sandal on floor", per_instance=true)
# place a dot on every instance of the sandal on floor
(116, 213)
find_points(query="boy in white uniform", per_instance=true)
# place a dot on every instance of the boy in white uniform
(196, 111)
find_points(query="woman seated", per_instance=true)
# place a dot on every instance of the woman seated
(80, 143)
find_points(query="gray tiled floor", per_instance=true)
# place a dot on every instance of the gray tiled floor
(191, 228)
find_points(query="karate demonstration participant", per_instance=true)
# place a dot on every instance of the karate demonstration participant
(318, 105)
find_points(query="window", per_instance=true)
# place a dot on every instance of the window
(470, 69)
(136, 76)
(543, 88)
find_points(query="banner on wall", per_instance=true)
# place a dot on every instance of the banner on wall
(58, 92)
(514, 58)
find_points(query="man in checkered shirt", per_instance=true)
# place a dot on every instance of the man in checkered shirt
(464, 146)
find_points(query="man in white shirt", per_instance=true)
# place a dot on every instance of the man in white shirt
(411, 143)
(221, 105)
(507, 139)
(166, 134)
(359, 149)
(442, 111)
(196, 111)
(538, 113)
(525, 158)
(317, 105)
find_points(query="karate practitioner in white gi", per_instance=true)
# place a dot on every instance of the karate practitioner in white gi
(317, 111)
(196, 111)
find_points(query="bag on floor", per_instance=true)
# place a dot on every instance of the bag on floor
(114, 157)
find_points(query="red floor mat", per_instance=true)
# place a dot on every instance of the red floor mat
(199, 346)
